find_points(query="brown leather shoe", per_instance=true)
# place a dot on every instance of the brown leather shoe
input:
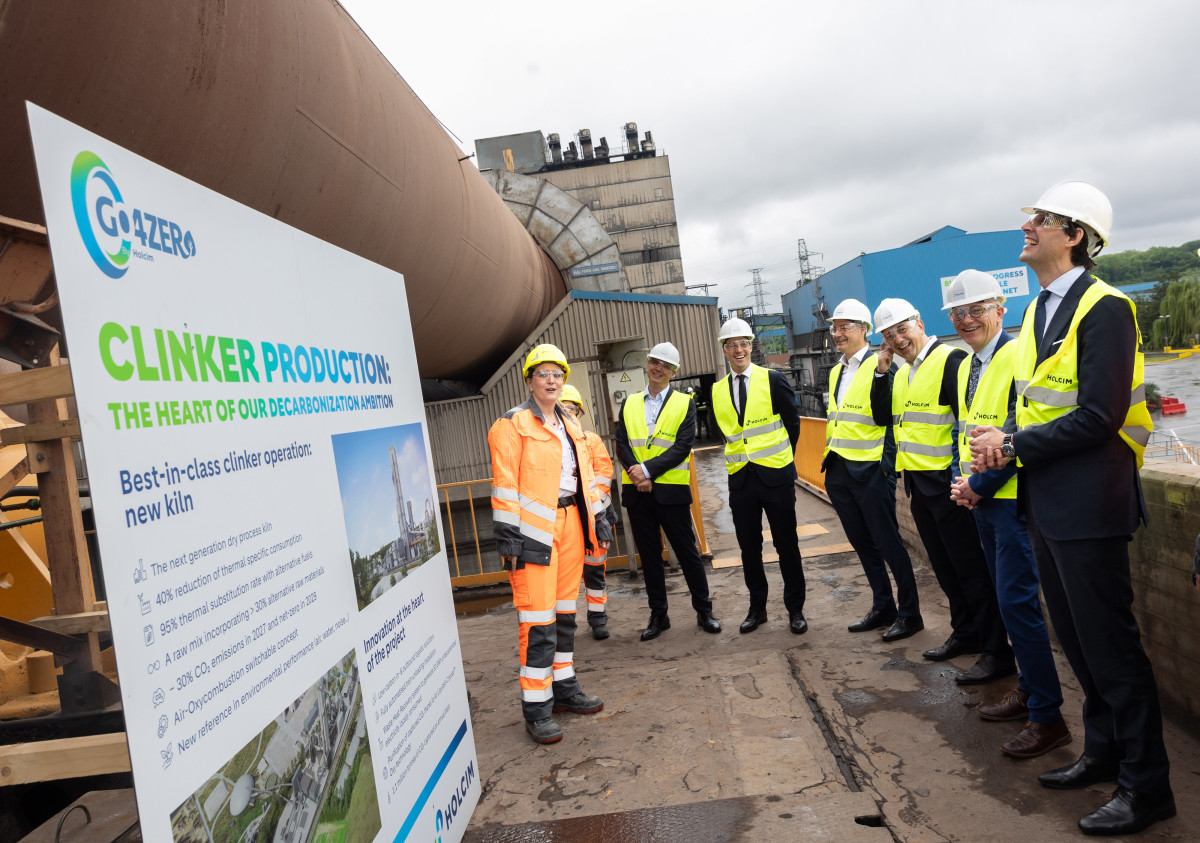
(1014, 706)
(1037, 739)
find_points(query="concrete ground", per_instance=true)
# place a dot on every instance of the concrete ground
(729, 737)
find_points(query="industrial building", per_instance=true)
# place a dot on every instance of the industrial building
(628, 191)
(920, 272)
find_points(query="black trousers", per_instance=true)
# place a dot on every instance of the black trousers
(952, 541)
(1089, 595)
(647, 516)
(867, 509)
(748, 503)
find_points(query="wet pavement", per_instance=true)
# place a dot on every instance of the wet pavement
(771, 736)
(1178, 379)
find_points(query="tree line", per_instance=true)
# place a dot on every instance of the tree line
(1169, 314)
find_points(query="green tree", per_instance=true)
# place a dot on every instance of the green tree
(1178, 320)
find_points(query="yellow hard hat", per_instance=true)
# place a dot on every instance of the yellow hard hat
(570, 393)
(546, 353)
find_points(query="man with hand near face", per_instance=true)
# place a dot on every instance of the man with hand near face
(856, 476)
(924, 409)
(987, 396)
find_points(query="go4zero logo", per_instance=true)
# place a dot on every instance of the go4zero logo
(108, 225)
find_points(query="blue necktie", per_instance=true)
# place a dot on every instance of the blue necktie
(973, 380)
(1039, 316)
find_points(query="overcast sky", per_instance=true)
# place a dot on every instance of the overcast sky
(859, 126)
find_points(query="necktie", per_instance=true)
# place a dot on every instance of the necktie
(973, 380)
(1039, 316)
(741, 398)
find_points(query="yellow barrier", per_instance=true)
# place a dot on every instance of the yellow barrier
(809, 449)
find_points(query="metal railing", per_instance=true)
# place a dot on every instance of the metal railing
(484, 566)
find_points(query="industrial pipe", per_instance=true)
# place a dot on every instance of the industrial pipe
(286, 106)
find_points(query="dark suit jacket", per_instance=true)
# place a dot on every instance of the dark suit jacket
(656, 467)
(783, 403)
(1077, 473)
(932, 483)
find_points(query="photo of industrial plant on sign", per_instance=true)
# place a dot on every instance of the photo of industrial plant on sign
(306, 776)
(388, 504)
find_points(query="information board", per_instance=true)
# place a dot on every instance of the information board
(263, 491)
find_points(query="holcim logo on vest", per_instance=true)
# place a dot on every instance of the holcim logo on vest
(107, 226)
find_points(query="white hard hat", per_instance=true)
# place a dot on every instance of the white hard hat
(665, 352)
(892, 312)
(853, 310)
(735, 328)
(1082, 203)
(971, 286)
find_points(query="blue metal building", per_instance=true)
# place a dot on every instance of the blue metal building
(919, 272)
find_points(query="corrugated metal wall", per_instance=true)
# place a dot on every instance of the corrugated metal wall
(635, 203)
(458, 429)
(914, 272)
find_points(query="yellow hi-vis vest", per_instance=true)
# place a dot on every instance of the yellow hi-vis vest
(1052, 389)
(924, 428)
(647, 444)
(763, 440)
(988, 407)
(850, 429)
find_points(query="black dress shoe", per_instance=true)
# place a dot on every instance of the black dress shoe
(658, 624)
(873, 620)
(752, 620)
(904, 628)
(987, 669)
(798, 624)
(1085, 772)
(706, 621)
(953, 647)
(1128, 812)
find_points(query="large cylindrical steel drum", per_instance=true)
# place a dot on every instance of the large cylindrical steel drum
(285, 106)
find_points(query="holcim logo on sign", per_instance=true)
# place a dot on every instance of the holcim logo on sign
(108, 227)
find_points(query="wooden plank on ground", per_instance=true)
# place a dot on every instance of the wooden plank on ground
(68, 758)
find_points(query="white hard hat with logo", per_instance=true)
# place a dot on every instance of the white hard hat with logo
(892, 312)
(665, 352)
(854, 311)
(971, 286)
(1083, 203)
(735, 328)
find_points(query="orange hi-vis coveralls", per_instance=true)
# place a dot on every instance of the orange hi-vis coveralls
(548, 536)
(594, 585)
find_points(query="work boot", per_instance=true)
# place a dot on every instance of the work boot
(544, 730)
(600, 632)
(580, 703)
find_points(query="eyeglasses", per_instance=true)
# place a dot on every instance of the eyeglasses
(846, 328)
(898, 331)
(975, 311)
(738, 345)
(1046, 219)
(545, 376)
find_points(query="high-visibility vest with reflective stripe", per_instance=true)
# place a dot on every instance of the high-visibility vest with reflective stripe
(648, 444)
(924, 427)
(1051, 390)
(763, 439)
(850, 429)
(989, 406)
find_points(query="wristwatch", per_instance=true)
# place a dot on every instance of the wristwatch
(1006, 447)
